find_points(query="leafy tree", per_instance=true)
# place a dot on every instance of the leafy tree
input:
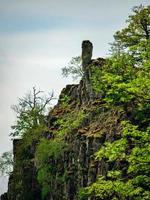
(6, 163)
(30, 121)
(129, 177)
(30, 126)
(74, 68)
(137, 30)
(30, 111)
(125, 82)
(135, 38)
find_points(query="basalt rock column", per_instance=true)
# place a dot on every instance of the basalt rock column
(87, 49)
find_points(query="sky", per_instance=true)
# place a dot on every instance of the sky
(39, 37)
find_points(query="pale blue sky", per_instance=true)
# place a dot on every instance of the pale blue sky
(38, 37)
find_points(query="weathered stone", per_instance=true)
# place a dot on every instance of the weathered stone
(87, 49)
(4, 197)
(22, 183)
(76, 167)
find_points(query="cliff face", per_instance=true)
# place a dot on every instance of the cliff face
(22, 181)
(77, 164)
(90, 124)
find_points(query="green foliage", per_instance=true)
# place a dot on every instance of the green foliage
(122, 86)
(113, 151)
(49, 148)
(44, 178)
(30, 127)
(137, 28)
(70, 122)
(115, 190)
(130, 181)
(125, 78)
(30, 112)
(6, 163)
(65, 101)
(125, 81)
(74, 68)
(135, 38)
(35, 134)
(49, 151)
(46, 151)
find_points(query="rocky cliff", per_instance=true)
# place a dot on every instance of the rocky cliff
(77, 127)
(95, 143)
(76, 163)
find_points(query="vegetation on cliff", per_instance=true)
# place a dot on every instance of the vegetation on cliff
(95, 142)
(6, 163)
(125, 81)
(74, 68)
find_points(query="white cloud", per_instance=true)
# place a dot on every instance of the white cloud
(85, 9)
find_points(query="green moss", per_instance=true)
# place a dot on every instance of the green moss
(70, 122)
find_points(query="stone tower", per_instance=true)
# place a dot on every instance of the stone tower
(87, 49)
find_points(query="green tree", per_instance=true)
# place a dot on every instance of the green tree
(30, 111)
(30, 127)
(129, 177)
(125, 82)
(30, 123)
(74, 68)
(137, 29)
(6, 163)
(135, 38)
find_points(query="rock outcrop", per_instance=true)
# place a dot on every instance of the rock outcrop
(76, 167)
(87, 50)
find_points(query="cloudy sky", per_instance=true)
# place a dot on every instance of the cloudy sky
(38, 37)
